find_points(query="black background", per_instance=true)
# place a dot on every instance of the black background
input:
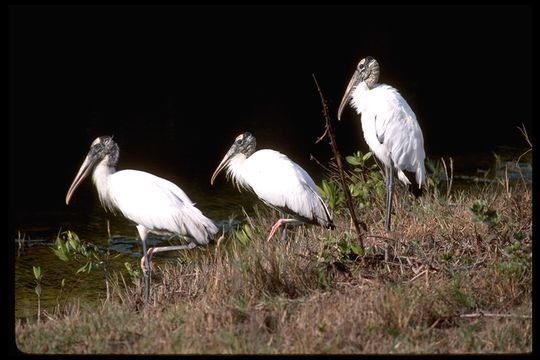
(176, 84)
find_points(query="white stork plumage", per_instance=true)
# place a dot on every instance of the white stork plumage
(278, 181)
(156, 205)
(389, 125)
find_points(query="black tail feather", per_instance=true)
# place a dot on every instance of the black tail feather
(416, 190)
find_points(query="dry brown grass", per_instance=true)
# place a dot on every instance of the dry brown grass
(448, 285)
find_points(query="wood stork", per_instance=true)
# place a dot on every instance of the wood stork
(156, 205)
(278, 181)
(389, 126)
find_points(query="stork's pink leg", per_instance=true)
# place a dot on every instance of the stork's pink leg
(145, 260)
(275, 228)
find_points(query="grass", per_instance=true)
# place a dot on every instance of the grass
(455, 276)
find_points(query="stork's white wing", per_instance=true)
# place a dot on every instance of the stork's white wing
(157, 204)
(397, 127)
(284, 184)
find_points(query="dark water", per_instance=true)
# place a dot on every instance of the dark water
(36, 232)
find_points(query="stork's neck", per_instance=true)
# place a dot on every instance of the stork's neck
(362, 88)
(234, 170)
(101, 175)
(359, 96)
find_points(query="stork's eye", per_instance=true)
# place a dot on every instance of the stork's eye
(96, 149)
(238, 141)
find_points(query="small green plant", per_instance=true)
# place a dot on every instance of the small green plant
(37, 289)
(436, 172)
(517, 258)
(134, 274)
(348, 248)
(358, 159)
(484, 215)
(331, 191)
(460, 296)
(243, 234)
(339, 253)
(364, 179)
(68, 247)
(367, 183)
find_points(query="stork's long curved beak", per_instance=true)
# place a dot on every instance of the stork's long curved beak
(86, 167)
(348, 93)
(222, 164)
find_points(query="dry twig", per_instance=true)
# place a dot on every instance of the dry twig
(330, 133)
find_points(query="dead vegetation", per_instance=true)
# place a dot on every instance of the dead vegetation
(454, 277)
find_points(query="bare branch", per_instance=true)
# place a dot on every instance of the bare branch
(483, 314)
(329, 132)
(311, 157)
(325, 134)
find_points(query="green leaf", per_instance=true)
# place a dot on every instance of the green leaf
(37, 272)
(128, 267)
(83, 268)
(74, 245)
(343, 247)
(357, 250)
(353, 160)
(367, 156)
(60, 253)
(353, 189)
(325, 187)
